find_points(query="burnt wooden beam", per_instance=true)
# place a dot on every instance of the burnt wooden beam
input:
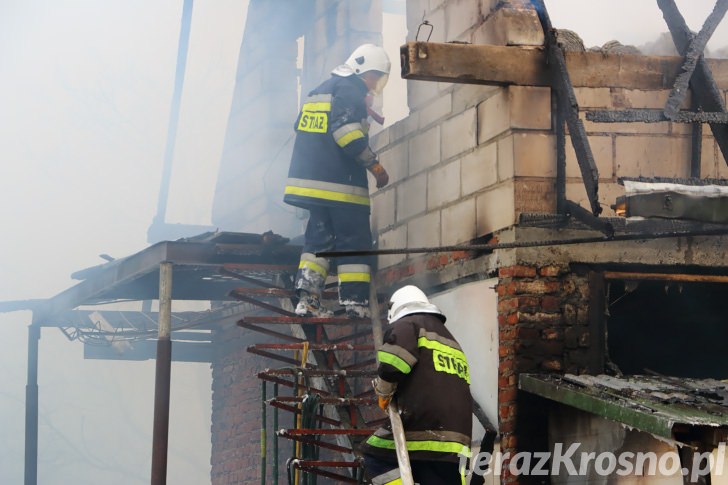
(704, 87)
(696, 146)
(560, 156)
(584, 216)
(693, 53)
(561, 83)
(526, 66)
(654, 116)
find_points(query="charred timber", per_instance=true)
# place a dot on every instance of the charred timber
(704, 86)
(693, 53)
(526, 66)
(655, 116)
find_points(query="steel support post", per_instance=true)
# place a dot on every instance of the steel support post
(162, 380)
(31, 407)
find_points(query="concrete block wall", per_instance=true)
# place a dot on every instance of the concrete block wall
(636, 149)
(257, 141)
(468, 162)
(335, 28)
(465, 166)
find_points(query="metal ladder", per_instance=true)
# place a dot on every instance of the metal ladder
(324, 383)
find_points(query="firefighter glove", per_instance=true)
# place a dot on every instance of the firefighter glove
(379, 174)
(384, 391)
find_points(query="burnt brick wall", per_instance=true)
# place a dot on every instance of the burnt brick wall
(543, 320)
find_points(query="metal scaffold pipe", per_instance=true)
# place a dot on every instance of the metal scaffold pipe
(160, 435)
(527, 244)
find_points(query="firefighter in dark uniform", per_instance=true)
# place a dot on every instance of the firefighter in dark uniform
(423, 368)
(328, 176)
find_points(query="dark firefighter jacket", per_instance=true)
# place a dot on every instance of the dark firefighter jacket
(433, 390)
(331, 151)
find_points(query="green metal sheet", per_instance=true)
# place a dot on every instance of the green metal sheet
(651, 404)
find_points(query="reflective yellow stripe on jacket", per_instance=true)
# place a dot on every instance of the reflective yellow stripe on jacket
(397, 357)
(317, 189)
(348, 133)
(426, 445)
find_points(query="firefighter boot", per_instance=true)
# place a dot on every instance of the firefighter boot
(310, 306)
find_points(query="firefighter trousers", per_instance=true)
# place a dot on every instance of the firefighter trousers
(336, 229)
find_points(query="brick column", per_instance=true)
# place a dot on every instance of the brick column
(543, 318)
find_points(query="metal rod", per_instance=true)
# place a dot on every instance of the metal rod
(184, 38)
(275, 437)
(306, 346)
(31, 408)
(525, 244)
(160, 435)
(267, 306)
(263, 431)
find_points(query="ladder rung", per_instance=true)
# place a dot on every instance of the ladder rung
(296, 411)
(274, 356)
(329, 464)
(266, 331)
(338, 401)
(321, 431)
(319, 443)
(298, 371)
(314, 347)
(287, 383)
(310, 466)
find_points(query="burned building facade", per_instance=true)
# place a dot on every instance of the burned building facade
(512, 161)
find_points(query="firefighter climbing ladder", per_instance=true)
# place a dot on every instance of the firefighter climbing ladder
(324, 384)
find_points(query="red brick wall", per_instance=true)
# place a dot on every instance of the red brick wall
(236, 410)
(543, 319)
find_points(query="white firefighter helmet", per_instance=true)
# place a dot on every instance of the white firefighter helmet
(408, 300)
(366, 57)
